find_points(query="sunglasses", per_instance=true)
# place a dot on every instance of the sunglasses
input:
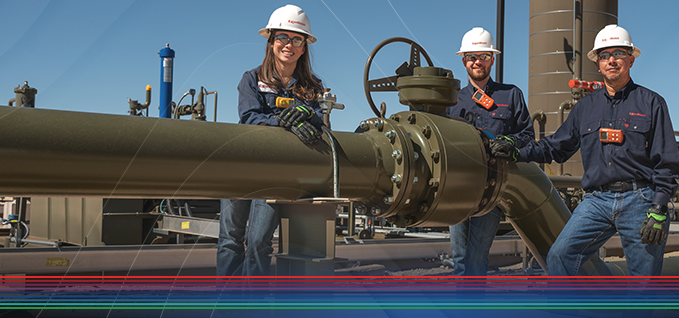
(618, 55)
(474, 57)
(285, 39)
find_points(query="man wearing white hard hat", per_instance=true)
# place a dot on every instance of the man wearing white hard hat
(630, 161)
(497, 108)
(283, 92)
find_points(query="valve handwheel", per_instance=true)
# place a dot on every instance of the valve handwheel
(388, 84)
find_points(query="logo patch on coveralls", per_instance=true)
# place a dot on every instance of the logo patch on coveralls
(266, 88)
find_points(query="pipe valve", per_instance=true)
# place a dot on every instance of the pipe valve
(195, 109)
(25, 96)
(328, 102)
(136, 108)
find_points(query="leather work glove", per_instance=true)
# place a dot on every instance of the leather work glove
(293, 115)
(503, 147)
(306, 132)
(654, 228)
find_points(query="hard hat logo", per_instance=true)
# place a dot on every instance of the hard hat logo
(610, 36)
(296, 22)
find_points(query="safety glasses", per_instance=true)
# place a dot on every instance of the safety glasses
(474, 57)
(618, 55)
(285, 39)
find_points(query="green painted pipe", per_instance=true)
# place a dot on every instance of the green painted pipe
(537, 212)
(670, 267)
(61, 153)
(416, 169)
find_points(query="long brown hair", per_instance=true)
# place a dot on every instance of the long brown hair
(307, 87)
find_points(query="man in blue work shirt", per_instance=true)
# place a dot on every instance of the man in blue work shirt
(506, 117)
(630, 161)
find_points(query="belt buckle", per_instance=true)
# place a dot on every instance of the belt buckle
(616, 186)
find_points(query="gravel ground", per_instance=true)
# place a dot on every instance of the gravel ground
(512, 270)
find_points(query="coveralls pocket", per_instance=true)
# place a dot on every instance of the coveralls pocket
(501, 120)
(590, 135)
(270, 101)
(635, 133)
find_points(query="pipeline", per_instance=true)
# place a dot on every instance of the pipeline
(60, 153)
(537, 212)
(415, 169)
(105, 155)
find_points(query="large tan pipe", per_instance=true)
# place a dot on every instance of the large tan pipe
(445, 174)
(60, 153)
(538, 213)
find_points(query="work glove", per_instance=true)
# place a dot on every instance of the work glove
(503, 147)
(294, 115)
(654, 228)
(306, 132)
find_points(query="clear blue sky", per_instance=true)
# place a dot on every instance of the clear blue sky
(92, 55)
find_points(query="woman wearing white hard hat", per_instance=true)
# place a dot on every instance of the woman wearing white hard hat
(283, 91)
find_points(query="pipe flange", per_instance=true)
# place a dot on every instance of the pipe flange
(396, 151)
(495, 181)
(427, 171)
(453, 161)
(403, 155)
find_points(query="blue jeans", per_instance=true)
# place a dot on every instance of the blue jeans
(470, 243)
(243, 223)
(600, 215)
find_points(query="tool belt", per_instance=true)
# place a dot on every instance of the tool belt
(620, 186)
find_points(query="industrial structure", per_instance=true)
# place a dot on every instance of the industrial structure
(107, 185)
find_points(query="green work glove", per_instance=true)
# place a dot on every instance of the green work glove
(306, 132)
(654, 228)
(503, 147)
(294, 115)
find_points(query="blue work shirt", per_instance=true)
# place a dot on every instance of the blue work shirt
(648, 150)
(257, 101)
(508, 116)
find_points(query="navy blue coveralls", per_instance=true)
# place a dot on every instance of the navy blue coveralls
(257, 101)
(471, 240)
(647, 161)
(256, 104)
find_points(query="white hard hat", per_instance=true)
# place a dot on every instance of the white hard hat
(477, 40)
(289, 18)
(611, 36)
